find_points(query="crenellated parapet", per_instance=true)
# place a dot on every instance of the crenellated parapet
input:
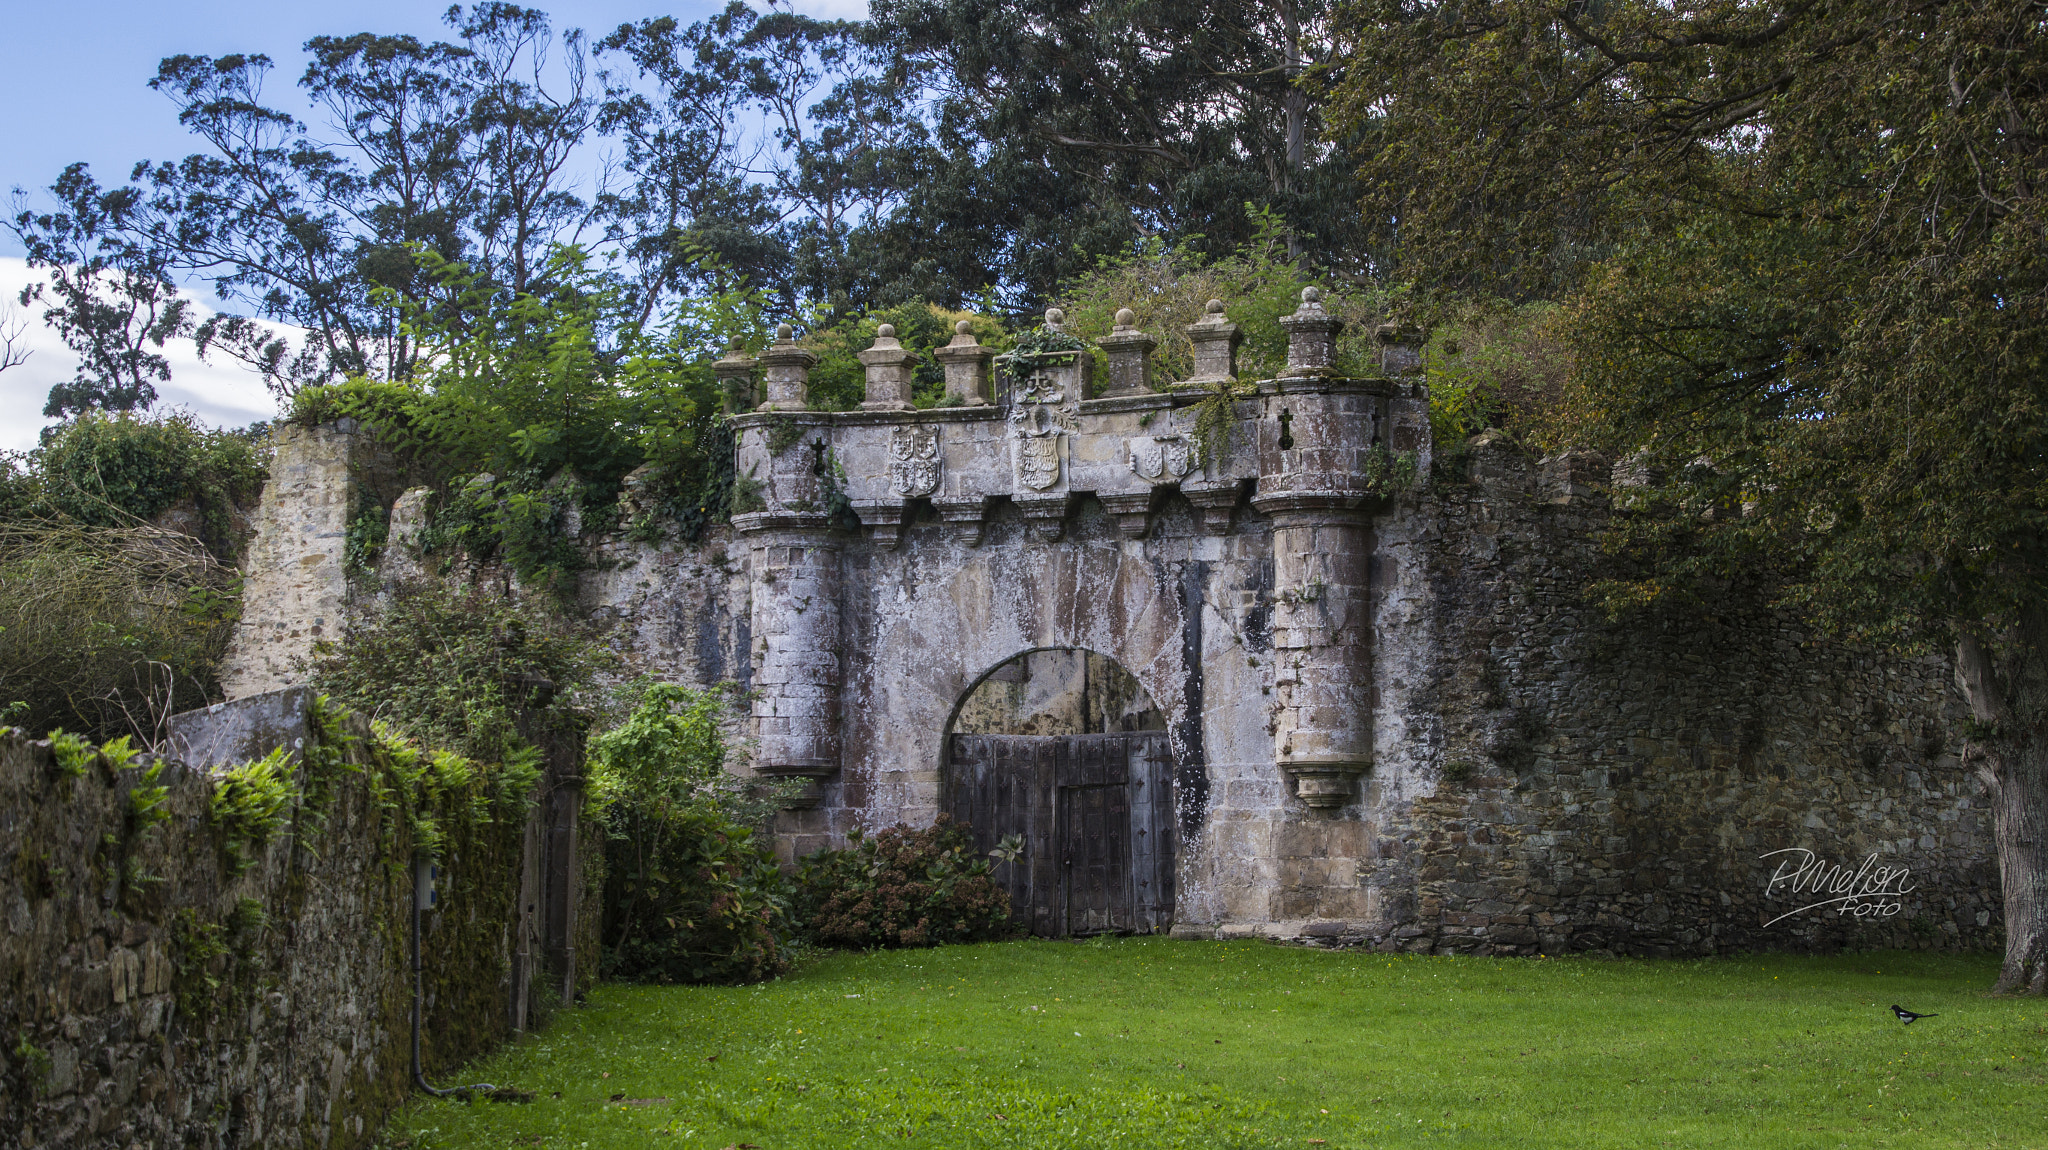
(1316, 452)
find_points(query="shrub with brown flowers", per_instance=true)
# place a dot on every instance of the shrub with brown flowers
(902, 887)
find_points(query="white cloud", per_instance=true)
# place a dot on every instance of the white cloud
(221, 393)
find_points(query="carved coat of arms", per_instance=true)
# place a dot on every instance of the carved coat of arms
(1035, 446)
(914, 460)
(1162, 458)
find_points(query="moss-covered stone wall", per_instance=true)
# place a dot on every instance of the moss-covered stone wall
(225, 962)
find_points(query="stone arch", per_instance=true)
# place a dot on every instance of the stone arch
(937, 634)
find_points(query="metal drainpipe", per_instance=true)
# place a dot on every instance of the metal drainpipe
(423, 892)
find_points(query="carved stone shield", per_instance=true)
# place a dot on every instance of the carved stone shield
(1035, 447)
(914, 460)
(1162, 458)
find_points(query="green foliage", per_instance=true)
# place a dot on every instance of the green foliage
(248, 919)
(746, 494)
(1389, 473)
(694, 900)
(34, 1062)
(250, 803)
(689, 894)
(75, 754)
(457, 669)
(1216, 414)
(111, 470)
(839, 381)
(1809, 264)
(197, 950)
(555, 395)
(148, 801)
(902, 887)
(105, 630)
(1496, 365)
(1170, 287)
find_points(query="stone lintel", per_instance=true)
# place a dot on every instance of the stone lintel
(1328, 384)
(1343, 505)
(753, 522)
(886, 517)
(811, 772)
(1117, 404)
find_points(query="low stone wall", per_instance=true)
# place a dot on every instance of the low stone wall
(153, 994)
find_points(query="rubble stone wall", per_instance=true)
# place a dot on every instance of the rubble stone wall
(151, 995)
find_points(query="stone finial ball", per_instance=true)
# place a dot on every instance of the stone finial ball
(886, 331)
(1125, 317)
(737, 343)
(1311, 294)
(784, 331)
(1215, 307)
(962, 328)
(1055, 315)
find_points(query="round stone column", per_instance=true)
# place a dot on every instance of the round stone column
(796, 637)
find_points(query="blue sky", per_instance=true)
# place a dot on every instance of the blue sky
(73, 84)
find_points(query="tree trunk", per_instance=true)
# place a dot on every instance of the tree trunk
(1296, 112)
(2019, 813)
(2009, 706)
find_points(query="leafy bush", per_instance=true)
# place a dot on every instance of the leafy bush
(460, 669)
(1170, 287)
(111, 470)
(902, 887)
(689, 894)
(106, 631)
(557, 395)
(1492, 365)
(839, 381)
(251, 802)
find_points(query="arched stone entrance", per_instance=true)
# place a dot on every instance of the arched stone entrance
(1228, 574)
(1062, 756)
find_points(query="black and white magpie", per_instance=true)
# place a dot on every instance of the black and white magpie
(1907, 1016)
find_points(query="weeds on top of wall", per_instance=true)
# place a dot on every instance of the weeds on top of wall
(458, 668)
(555, 395)
(118, 470)
(1169, 287)
(106, 631)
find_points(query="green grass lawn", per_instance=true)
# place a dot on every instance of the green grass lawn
(1154, 1043)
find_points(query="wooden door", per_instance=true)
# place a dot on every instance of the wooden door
(1096, 816)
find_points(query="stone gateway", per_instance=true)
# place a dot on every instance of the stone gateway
(1369, 702)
